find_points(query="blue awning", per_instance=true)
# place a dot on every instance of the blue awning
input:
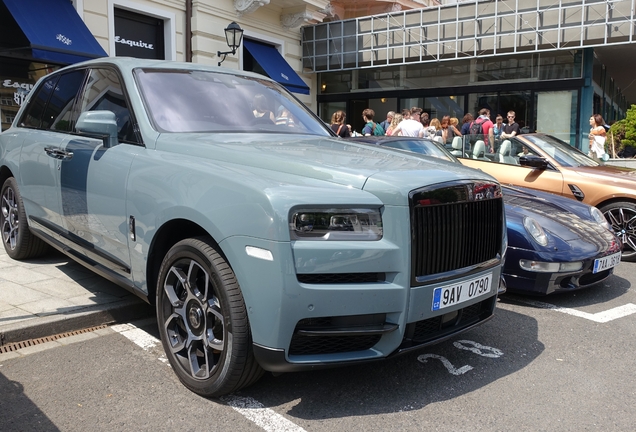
(55, 31)
(276, 66)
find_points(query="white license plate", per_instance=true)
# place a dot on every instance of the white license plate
(451, 295)
(606, 262)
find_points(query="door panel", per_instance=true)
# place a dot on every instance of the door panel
(39, 179)
(93, 193)
(93, 180)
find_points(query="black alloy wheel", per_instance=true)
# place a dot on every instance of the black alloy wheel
(622, 218)
(203, 320)
(18, 241)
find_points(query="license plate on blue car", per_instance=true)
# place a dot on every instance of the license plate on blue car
(607, 262)
(451, 295)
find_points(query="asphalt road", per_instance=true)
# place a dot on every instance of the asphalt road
(557, 363)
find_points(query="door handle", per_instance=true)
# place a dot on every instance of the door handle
(57, 153)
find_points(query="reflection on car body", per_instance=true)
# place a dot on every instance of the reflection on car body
(554, 243)
(265, 244)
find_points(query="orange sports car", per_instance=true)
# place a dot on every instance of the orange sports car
(546, 163)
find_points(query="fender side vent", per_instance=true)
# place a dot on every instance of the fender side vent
(578, 193)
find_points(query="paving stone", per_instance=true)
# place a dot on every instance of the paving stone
(50, 306)
(19, 274)
(16, 294)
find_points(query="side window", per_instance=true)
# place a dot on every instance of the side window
(32, 117)
(519, 148)
(59, 111)
(105, 92)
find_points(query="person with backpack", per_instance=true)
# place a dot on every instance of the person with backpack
(482, 128)
(371, 128)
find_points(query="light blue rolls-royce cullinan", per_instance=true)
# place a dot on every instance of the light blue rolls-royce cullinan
(265, 242)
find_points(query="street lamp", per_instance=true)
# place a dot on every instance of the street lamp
(233, 36)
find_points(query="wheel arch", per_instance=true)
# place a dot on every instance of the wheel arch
(5, 173)
(169, 234)
(616, 199)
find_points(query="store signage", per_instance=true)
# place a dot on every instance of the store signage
(22, 90)
(64, 39)
(20, 96)
(131, 43)
(15, 84)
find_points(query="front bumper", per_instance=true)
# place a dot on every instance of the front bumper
(522, 281)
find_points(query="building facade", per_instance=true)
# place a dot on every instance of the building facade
(181, 30)
(554, 63)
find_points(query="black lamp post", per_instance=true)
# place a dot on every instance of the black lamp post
(233, 35)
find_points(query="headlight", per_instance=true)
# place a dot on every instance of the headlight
(545, 267)
(598, 217)
(336, 224)
(535, 230)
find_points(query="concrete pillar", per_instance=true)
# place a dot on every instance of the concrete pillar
(587, 100)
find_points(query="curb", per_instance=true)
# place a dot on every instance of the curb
(125, 310)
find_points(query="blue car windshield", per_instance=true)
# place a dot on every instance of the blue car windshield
(563, 153)
(421, 146)
(201, 101)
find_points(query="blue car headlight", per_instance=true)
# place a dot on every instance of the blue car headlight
(535, 230)
(598, 217)
(550, 267)
(336, 224)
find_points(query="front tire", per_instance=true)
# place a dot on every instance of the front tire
(622, 218)
(203, 320)
(18, 241)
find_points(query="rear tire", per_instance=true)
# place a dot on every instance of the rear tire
(622, 218)
(203, 321)
(18, 241)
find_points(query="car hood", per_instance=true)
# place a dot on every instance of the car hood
(384, 172)
(555, 219)
(609, 174)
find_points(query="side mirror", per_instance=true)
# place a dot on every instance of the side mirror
(102, 123)
(533, 161)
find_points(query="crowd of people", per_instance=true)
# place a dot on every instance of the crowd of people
(415, 122)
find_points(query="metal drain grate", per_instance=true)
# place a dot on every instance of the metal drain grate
(31, 342)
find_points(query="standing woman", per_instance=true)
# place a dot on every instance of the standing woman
(498, 129)
(338, 124)
(397, 118)
(446, 131)
(454, 122)
(597, 137)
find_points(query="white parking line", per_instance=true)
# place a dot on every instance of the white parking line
(266, 418)
(599, 317)
(250, 408)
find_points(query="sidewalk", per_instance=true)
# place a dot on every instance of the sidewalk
(53, 294)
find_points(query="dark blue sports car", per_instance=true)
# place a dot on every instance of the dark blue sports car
(554, 243)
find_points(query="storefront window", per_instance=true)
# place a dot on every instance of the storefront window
(326, 110)
(556, 114)
(138, 35)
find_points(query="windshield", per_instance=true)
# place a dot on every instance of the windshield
(421, 146)
(202, 101)
(563, 153)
